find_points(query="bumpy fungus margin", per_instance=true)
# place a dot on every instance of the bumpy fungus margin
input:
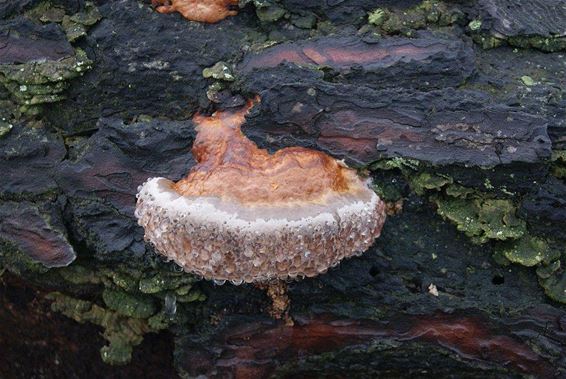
(209, 11)
(245, 215)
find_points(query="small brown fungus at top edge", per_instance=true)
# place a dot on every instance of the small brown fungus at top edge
(245, 215)
(208, 11)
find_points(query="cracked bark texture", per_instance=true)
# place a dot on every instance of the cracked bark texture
(439, 110)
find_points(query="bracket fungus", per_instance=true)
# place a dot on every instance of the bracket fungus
(245, 215)
(208, 11)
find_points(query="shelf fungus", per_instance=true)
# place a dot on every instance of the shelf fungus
(245, 215)
(208, 11)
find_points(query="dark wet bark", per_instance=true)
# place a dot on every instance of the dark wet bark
(430, 115)
(40, 343)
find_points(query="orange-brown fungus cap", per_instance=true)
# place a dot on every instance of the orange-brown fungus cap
(242, 214)
(232, 167)
(209, 11)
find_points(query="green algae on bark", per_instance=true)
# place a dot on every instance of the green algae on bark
(555, 286)
(33, 84)
(13, 260)
(146, 284)
(530, 25)
(5, 128)
(427, 181)
(488, 215)
(529, 251)
(75, 25)
(476, 213)
(121, 332)
(400, 163)
(546, 44)
(482, 220)
(429, 12)
(545, 271)
(127, 304)
(39, 81)
(135, 302)
(220, 70)
(266, 10)
(558, 166)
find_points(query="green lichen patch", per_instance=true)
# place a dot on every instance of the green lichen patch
(528, 81)
(35, 83)
(5, 128)
(220, 70)
(129, 301)
(546, 44)
(400, 163)
(486, 41)
(143, 287)
(555, 286)
(78, 274)
(135, 303)
(482, 220)
(475, 25)
(75, 25)
(529, 251)
(481, 214)
(462, 192)
(151, 284)
(269, 12)
(474, 212)
(127, 304)
(428, 12)
(378, 16)
(121, 332)
(544, 271)
(422, 182)
(125, 280)
(462, 213)
(46, 12)
(13, 260)
(193, 295)
(159, 321)
(558, 167)
(543, 43)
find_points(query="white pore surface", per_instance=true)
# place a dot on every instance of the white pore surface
(262, 218)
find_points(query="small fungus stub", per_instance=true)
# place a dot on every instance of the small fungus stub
(209, 11)
(245, 215)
